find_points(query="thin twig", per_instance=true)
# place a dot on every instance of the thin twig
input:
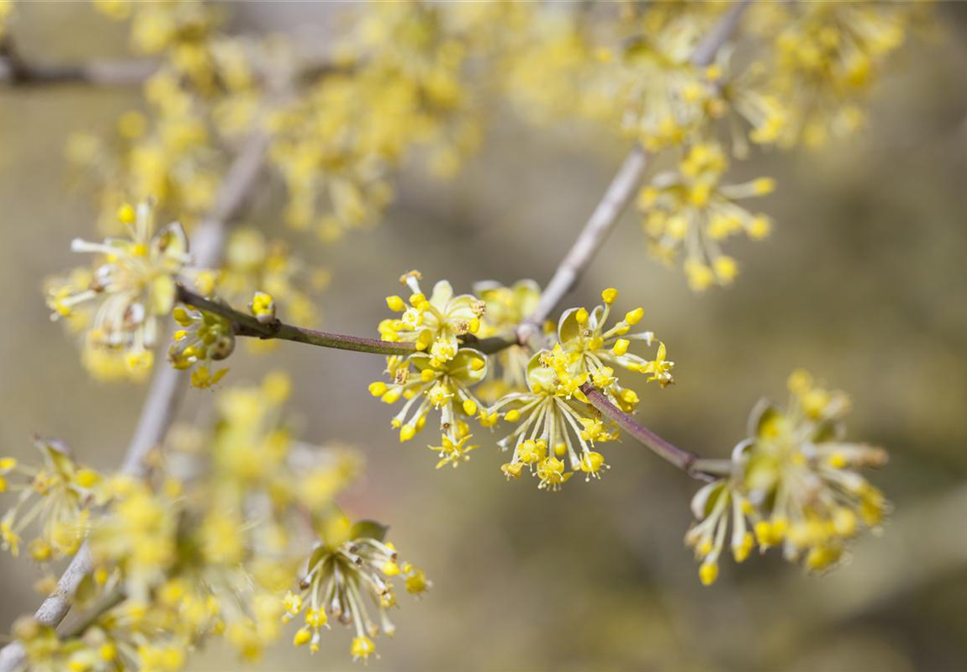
(578, 258)
(167, 385)
(19, 72)
(617, 195)
(682, 459)
(244, 324)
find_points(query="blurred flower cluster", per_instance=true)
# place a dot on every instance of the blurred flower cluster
(116, 304)
(802, 78)
(232, 534)
(539, 390)
(406, 78)
(795, 483)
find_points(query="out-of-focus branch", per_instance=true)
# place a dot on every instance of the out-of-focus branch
(167, 385)
(618, 194)
(17, 72)
(588, 242)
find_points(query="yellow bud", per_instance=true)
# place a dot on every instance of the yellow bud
(581, 316)
(417, 300)
(470, 407)
(609, 295)
(708, 573)
(477, 364)
(634, 317)
(302, 637)
(126, 214)
(763, 186)
(377, 389)
(725, 268)
(395, 303)
(512, 416)
(621, 346)
(407, 432)
(759, 227)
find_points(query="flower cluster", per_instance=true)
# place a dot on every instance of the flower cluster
(826, 55)
(688, 213)
(637, 72)
(116, 304)
(543, 391)
(351, 565)
(795, 483)
(505, 309)
(401, 82)
(207, 545)
(203, 338)
(206, 88)
(59, 494)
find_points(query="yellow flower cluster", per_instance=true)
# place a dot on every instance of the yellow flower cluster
(504, 309)
(208, 545)
(688, 213)
(205, 89)
(351, 565)
(58, 494)
(807, 74)
(116, 303)
(825, 55)
(401, 81)
(795, 483)
(202, 338)
(540, 390)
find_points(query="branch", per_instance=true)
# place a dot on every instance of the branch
(617, 195)
(683, 459)
(167, 385)
(244, 324)
(18, 72)
(588, 241)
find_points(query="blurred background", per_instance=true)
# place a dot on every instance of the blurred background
(864, 283)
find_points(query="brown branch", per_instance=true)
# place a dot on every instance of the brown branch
(244, 324)
(18, 72)
(683, 459)
(167, 385)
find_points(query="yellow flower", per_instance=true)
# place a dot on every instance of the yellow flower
(687, 214)
(434, 325)
(427, 384)
(593, 348)
(506, 308)
(795, 484)
(201, 339)
(350, 566)
(132, 285)
(58, 494)
(555, 422)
